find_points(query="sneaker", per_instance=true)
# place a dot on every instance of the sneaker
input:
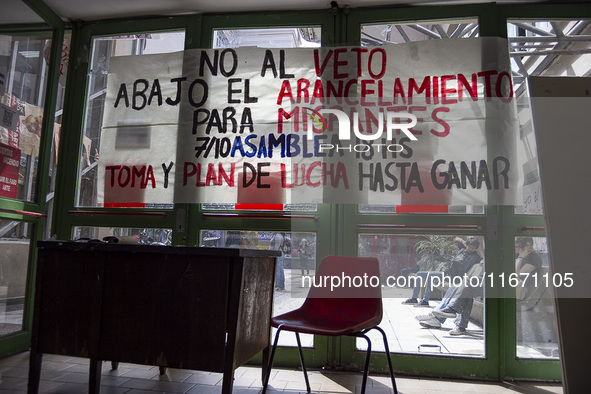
(422, 304)
(410, 301)
(428, 316)
(458, 331)
(431, 323)
(447, 313)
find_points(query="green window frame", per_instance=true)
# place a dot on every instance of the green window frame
(500, 225)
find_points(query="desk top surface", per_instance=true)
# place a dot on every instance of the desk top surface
(138, 248)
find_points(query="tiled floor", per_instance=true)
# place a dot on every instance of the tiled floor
(66, 375)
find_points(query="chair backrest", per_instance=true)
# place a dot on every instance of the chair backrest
(346, 289)
(347, 277)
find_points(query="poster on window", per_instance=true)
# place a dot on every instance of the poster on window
(21, 124)
(430, 122)
(9, 166)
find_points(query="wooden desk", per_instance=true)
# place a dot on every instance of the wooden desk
(180, 307)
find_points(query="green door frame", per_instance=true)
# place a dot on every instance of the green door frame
(319, 222)
(67, 214)
(448, 224)
(34, 212)
(485, 368)
(514, 226)
(530, 225)
(501, 360)
(526, 225)
(198, 34)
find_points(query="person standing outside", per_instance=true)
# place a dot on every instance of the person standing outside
(277, 243)
(305, 255)
(527, 264)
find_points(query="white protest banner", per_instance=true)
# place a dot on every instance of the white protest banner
(313, 125)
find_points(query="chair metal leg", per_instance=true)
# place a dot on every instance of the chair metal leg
(271, 360)
(365, 369)
(389, 359)
(367, 358)
(302, 362)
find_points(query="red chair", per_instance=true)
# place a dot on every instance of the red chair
(353, 309)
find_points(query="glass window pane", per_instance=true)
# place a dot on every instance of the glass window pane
(432, 209)
(548, 47)
(144, 236)
(421, 278)
(543, 48)
(285, 207)
(303, 37)
(287, 37)
(537, 334)
(23, 80)
(103, 49)
(397, 33)
(59, 111)
(298, 259)
(15, 238)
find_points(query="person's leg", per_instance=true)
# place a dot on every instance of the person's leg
(430, 283)
(279, 274)
(405, 272)
(420, 281)
(460, 307)
(451, 309)
(428, 319)
(463, 318)
(449, 296)
(464, 308)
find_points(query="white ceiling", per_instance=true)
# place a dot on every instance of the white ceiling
(14, 11)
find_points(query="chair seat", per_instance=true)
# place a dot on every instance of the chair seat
(312, 324)
(346, 309)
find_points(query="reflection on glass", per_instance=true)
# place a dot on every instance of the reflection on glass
(23, 80)
(549, 48)
(14, 239)
(431, 209)
(286, 37)
(286, 207)
(103, 49)
(61, 89)
(542, 48)
(144, 236)
(298, 258)
(418, 294)
(397, 33)
(267, 38)
(537, 335)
